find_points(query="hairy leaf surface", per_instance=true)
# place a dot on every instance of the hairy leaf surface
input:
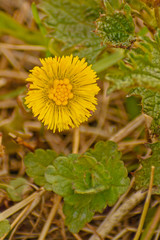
(117, 29)
(72, 23)
(141, 67)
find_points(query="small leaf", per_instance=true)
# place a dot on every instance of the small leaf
(142, 176)
(36, 164)
(116, 29)
(88, 182)
(17, 188)
(4, 227)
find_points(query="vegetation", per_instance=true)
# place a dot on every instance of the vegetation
(100, 180)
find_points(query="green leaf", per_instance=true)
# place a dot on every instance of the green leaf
(105, 150)
(133, 107)
(17, 188)
(150, 106)
(108, 60)
(140, 68)
(60, 175)
(11, 27)
(116, 30)
(36, 164)
(4, 227)
(77, 216)
(71, 23)
(142, 176)
(88, 182)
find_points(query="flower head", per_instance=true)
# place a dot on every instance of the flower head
(62, 92)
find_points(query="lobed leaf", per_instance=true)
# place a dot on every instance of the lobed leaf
(88, 182)
(36, 164)
(17, 188)
(116, 29)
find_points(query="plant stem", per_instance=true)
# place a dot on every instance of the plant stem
(146, 206)
(7, 213)
(130, 127)
(76, 138)
(50, 218)
(153, 225)
(111, 221)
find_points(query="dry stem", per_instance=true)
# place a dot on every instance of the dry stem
(50, 218)
(146, 206)
(109, 223)
(76, 139)
(130, 127)
(7, 213)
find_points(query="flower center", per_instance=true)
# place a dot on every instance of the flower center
(60, 93)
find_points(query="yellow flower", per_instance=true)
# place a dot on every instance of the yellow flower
(62, 92)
